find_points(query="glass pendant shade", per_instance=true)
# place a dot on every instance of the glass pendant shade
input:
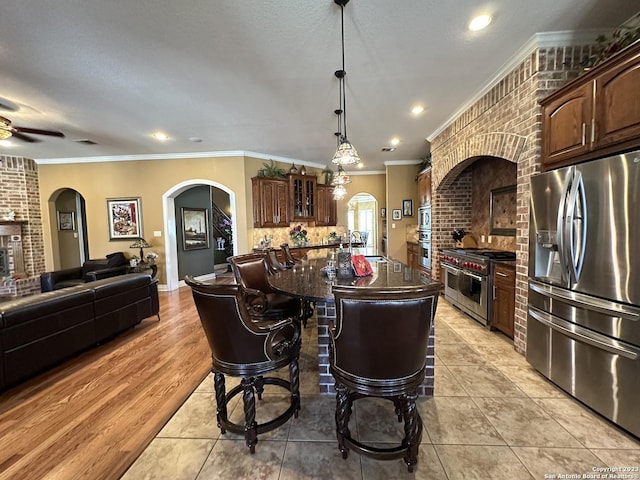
(341, 178)
(339, 192)
(346, 154)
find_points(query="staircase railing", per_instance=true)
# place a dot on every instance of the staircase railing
(220, 219)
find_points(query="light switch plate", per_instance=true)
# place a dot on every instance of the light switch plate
(157, 233)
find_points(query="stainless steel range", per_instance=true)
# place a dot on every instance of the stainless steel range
(467, 279)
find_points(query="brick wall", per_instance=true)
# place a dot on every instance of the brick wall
(506, 123)
(19, 192)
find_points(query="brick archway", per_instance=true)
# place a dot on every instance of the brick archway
(494, 144)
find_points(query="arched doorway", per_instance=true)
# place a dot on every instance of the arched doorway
(68, 229)
(173, 222)
(362, 217)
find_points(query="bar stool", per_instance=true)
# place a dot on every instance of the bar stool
(289, 260)
(378, 347)
(241, 347)
(251, 272)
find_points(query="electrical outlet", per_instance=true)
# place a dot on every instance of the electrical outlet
(393, 225)
(482, 238)
(489, 239)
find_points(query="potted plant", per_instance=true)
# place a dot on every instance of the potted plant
(272, 170)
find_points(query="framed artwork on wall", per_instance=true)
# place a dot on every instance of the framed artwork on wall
(125, 218)
(396, 214)
(66, 221)
(407, 208)
(195, 228)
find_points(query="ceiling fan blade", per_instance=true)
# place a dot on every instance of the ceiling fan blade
(51, 133)
(24, 138)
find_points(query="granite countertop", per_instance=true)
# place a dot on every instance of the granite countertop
(313, 247)
(307, 280)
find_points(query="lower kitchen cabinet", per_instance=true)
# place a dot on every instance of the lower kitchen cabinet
(413, 259)
(504, 299)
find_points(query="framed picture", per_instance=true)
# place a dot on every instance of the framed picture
(195, 228)
(125, 218)
(66, 221)
(407, 208)
(502, 213)
(396, 214)
(383, 212)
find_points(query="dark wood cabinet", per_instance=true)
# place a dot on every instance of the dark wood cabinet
(596, 114)
(413, 257)
(303, 197)
(504, 299)
(270, 202)
(424, 187)
(326, 206)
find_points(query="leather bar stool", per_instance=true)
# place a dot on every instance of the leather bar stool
(289, 260)
(378, 347)
(242, 347)
(251, 272)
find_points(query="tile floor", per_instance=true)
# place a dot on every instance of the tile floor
(492, 417)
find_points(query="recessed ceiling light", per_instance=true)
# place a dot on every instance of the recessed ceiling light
(360, 164)
(161, 136)
(479, 23)
(388, 149)
(7, 143)
(395, 141)
(417, 110)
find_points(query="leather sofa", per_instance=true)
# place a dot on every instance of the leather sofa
(90, 271)
(40, 331)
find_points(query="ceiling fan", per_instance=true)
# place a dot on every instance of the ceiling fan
(8, 130)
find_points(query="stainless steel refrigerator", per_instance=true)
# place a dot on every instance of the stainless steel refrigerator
(583, 321)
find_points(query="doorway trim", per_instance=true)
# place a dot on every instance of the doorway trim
(169, 221)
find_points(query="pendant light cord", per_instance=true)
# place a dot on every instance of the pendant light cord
(342, 81)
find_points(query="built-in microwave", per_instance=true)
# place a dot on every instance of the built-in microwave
(424, 218)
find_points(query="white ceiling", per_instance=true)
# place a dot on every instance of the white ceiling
(258, 75)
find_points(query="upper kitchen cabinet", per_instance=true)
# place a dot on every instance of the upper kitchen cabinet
(270, 202)
(424, 187)
(326, 207)
(596, 114)
(303, 197)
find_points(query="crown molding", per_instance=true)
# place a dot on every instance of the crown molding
(392, 163)
(175, 156)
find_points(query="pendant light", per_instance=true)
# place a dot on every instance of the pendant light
(341, 178)
(346, 154)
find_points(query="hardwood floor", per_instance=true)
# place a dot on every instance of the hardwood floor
(92, 416)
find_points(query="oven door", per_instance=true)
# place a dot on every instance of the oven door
(425, 254)
(451, 279)
(473, 295)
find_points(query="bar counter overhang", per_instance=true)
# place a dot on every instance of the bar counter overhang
(306, 280)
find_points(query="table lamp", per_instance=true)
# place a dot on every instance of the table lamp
(140, 243)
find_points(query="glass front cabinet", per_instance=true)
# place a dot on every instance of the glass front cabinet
(303, 195)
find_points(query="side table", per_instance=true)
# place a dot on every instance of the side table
(143, 267)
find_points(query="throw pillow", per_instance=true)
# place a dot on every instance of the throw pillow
(116, 259)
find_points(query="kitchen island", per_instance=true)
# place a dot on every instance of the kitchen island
(307, 280)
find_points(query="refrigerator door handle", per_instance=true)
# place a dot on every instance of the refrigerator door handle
(584, 301)
(561, 235)
(583, 335)
(575, 227)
